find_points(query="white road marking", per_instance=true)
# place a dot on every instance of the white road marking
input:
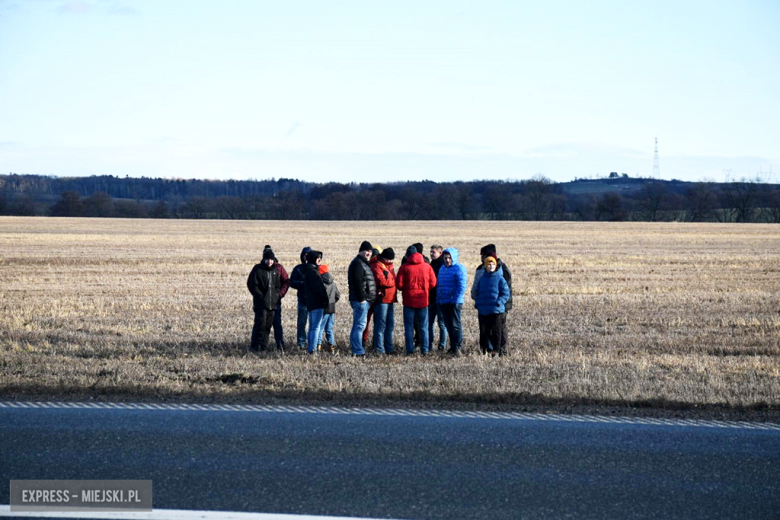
(171, 514)
(521, 416)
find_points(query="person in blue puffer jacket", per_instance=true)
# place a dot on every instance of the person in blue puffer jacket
(450, 292)
(491, 297)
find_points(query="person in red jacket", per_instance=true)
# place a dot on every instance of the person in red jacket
(386, 296)
(415, 280)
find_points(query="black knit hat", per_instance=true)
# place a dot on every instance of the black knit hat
(312, 256)
(304, 252)
(366, 246)
(269, 254)
(490, 248)
(410, 251)
(388, 254)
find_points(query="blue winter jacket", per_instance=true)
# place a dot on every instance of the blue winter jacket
(492, 293)
(451, 287)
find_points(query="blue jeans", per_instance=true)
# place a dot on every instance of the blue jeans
(327, 329)
(315, 328)
(451, 313)
(384, 322)
(303, 314)
(434, 312)
(416, 319)
(278, 331)
(359, 320)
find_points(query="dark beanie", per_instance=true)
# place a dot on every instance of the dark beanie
(312, 256)
(419, 247)
(266, 247)
(304, 252)
(490, 248)
(410, 251)
(365, 246)
(388, 254)
(269, 253)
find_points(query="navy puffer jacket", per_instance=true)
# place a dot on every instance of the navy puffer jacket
(492, 293)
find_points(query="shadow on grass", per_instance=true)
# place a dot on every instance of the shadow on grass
(242, 392)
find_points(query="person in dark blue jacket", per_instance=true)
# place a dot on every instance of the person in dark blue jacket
(296, 282)
(450, 292)
(317, 300)
(492, 293)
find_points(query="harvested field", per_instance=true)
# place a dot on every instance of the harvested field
(627, 316)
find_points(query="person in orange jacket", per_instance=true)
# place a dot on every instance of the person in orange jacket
(384, 308)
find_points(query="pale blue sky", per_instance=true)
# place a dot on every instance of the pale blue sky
(366, 91)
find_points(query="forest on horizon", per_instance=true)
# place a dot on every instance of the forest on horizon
(615, 198)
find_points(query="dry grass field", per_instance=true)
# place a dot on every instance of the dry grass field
(616, 316)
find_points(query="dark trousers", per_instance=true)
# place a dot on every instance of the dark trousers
(261, 330)
(491, 329)
(278, 332)
(370, 314)
(451, 314)
(504, 332)
(434, 314)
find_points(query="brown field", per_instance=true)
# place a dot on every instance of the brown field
(620, 317)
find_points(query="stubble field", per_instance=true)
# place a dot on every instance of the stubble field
(620, 317)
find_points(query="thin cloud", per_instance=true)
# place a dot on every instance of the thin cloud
(293, 128)
(75, 7)
(461, 147)
(122, 10)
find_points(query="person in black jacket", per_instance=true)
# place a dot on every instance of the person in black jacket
(316, 297)
(265, 284)
(362, 291)
(296, 282)
(434, 311)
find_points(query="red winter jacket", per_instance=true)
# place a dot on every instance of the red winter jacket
(415, 279)
(385, 283)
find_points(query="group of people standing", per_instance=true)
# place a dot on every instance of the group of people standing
(432, 290)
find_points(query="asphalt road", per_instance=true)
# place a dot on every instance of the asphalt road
(402, 467)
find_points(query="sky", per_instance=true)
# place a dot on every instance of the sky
(362, 91)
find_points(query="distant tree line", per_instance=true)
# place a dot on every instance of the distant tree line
(612, 199)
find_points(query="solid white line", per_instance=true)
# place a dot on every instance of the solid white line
(171, 514)
(525, 416)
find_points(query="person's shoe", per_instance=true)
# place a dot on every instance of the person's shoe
(319, 348)
(360, 356)
(391, 353)
(301, 346)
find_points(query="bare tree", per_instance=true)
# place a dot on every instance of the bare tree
(652, 200)
(740, 197)
(701, 201)
(610, 207)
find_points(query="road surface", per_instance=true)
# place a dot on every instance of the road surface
(402, 464)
